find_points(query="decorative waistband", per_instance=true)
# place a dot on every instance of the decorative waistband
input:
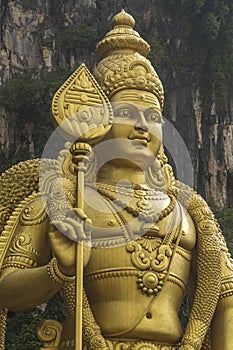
(123, 345)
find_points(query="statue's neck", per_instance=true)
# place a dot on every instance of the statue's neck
(112, 174)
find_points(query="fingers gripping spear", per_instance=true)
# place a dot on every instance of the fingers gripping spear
(84, 114)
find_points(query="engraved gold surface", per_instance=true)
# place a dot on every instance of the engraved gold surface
(80, 106)
(49, 332)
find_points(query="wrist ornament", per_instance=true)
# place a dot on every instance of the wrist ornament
(188, 343)
(56, 275)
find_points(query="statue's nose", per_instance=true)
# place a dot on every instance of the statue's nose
(141, 122)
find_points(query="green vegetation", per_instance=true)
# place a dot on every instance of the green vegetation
(27, 99)
(207, 27)
(78, 39)
(209, 35)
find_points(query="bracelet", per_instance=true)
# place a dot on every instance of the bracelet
(189, 342)
(56, 275)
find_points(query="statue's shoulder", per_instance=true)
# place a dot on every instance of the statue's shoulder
(20, 181)
(198, 209)
(22, 210)
(188, 197)
(16, 184)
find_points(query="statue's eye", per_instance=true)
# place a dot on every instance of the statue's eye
(154, 117)
(124, 113)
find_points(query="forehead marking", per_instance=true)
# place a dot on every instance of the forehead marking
(142, 96)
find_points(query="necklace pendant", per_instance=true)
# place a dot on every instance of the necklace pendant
(152, 258)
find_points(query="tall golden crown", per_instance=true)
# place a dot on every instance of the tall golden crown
(123, 62)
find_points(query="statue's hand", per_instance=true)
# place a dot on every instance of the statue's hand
(77, 228)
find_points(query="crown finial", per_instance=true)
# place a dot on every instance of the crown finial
(122, 37)
(123, 19)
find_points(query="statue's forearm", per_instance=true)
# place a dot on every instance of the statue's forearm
(222, 326)
(23, 289)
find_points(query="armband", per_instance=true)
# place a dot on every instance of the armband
(226, 289)
(56, 275)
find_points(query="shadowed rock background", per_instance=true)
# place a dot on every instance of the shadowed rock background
(43, 41)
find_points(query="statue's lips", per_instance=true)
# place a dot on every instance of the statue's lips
(140, 139)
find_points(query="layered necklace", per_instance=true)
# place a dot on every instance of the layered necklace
(151, 254)
(141, 195)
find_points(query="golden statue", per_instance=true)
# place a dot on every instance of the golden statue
(122, 248)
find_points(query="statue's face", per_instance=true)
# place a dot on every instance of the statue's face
(137, 119)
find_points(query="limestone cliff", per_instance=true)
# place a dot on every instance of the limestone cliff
(39, 35)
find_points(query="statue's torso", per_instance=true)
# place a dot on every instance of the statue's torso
(128, 255)
(132, 292)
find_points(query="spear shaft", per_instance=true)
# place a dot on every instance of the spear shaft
(79, 152)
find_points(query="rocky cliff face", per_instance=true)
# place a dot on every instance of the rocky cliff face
(39, 35)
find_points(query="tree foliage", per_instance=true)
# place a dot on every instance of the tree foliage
(208, 37)
(27, 98)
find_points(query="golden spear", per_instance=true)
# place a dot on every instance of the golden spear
(84, 114)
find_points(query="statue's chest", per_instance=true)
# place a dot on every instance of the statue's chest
(158, 221)
(144, 262)
(137, 240)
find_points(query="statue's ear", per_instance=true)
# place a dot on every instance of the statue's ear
(160, 174)
(81, 108)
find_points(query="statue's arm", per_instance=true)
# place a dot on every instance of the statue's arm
(27, 288)
(30, 274)
(24, 281)
(222, 325)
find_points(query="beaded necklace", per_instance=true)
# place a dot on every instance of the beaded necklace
(143, 211)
